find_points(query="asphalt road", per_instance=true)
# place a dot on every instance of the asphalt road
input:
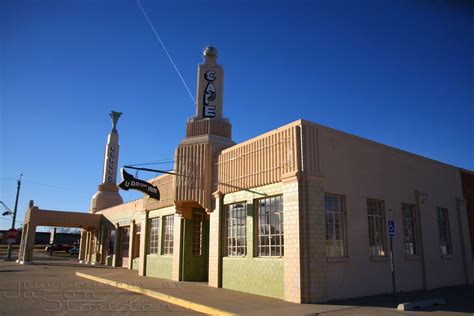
(50, 287)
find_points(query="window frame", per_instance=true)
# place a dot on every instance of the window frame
(343, 213)
(196, 247)
(449, 241)
(227, 229)
(382, 233)
(167, 243)
(154, 231)
(415, 233)
(281, 235)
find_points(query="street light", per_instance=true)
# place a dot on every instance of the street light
(9, 254)
(8, 212)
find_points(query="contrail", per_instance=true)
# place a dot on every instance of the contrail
(166, 51)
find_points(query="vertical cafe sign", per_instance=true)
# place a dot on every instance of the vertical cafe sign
(111, 165)
(112, 151)
(209, 97)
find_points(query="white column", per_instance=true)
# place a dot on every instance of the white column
(305, 263)
(215, 256)
(144, 239)
(131, 244)
(177, 248)
(117, 247)
(82, 245)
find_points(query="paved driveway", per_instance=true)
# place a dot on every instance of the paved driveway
(51, 288)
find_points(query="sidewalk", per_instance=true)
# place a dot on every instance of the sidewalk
(124, 286)
(202, 298)
(217, 301)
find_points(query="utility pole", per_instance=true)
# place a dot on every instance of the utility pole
(9, 255)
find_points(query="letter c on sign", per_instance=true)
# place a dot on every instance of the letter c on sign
(210, 75)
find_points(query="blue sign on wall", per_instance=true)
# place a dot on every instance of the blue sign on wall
(391, 228)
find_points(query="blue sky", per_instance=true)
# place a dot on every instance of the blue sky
(396, 72)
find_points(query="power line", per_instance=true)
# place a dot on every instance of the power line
(6, 219)
(49, 185)
(166, 51)
(55, 186)
(159, 162)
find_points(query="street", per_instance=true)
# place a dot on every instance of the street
(49, 287)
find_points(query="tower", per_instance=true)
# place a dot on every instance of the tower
(209, 120)
(107, 194)
(207, 133)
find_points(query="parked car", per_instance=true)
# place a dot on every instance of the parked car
(58, 247)
(74, 251)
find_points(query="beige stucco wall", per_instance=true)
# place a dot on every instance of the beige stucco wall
(361, 169)
(124, 213)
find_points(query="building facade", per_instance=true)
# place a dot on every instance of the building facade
(299, 213)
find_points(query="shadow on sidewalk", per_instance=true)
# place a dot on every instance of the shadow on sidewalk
(458, 299)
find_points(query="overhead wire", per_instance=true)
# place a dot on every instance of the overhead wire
(166, 50)
(6, 219)
(151, 163)
(55, 186)
(47, 185)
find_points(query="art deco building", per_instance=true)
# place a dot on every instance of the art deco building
(299, 213)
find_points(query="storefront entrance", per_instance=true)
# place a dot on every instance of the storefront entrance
(195, 265)
(136, 247)
(124, 250)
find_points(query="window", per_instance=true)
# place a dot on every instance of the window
(335, 225)
(125, 237)
(111, 249)
(270, 226)
(376, 216)
(197, 234)
(444, 232)
(236, 229)
(409, 229)
(154, 235)
(168, 227)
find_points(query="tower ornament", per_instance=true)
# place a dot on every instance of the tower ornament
(107, 194)
(114, 116)
(209, 51)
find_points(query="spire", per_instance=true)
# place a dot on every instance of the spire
(107, 195)
(111, 152)
(114, 116)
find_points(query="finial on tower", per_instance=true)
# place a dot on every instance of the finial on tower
(114, 116)
(210, 55)
(210, 51)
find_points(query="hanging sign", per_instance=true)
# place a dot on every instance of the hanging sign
(130, 182)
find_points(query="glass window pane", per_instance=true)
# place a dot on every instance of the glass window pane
(376, 223)
(236, 229)
(269, 215)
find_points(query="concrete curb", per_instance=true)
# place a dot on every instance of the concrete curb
(420, 304)
(160, 296)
